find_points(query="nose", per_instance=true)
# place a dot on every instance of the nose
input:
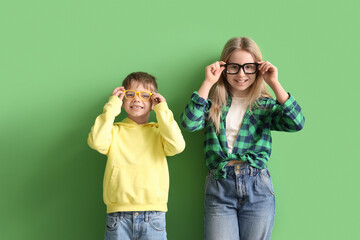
(241, 72)
(137, 97)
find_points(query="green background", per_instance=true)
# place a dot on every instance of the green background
(60, 60)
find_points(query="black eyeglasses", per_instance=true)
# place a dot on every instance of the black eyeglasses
(234, 68)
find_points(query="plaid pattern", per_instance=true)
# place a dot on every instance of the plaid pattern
(253, 143)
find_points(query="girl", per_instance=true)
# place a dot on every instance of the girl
(238, 113)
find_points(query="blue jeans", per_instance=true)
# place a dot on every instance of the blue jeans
(240, 206)
(135, 225)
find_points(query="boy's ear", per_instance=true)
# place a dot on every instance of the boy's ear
(152, 104)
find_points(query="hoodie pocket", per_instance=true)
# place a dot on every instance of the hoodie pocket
(113, 186)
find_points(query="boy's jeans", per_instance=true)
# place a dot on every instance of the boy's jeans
(135, 225)
(241, 206)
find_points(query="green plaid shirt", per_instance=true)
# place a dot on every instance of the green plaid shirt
(253, 143)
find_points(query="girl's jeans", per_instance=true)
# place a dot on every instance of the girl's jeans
(241, 206)
(135, 225)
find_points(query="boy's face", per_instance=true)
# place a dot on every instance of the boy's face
(137, 109)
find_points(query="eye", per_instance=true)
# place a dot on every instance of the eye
(250, 66)
(130, 94)
(145, 95)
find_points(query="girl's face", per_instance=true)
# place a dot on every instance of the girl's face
(240, 82)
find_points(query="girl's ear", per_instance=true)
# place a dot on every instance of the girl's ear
(224, 74)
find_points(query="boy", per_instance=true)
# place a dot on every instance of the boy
(136, 179)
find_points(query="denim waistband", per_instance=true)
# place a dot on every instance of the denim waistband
(240, 169)
(146, 214)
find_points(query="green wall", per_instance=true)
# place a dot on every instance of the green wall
(60, 60)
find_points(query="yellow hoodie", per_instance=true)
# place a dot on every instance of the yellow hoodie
(136, 175)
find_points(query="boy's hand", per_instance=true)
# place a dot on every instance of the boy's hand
(157, 98)
(119, 92)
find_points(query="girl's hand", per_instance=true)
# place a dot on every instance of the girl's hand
(269, 72)
(157, 98)
(213, 72)
(119, 92)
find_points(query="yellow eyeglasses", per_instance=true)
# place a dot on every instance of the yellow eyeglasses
(143, 95)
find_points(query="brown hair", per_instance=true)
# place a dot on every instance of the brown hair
(144, 78)
(219, 91)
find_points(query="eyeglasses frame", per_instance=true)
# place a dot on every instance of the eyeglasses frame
(240, 66)
(138, 93)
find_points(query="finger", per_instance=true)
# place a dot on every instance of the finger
(116, 90)
(115, 93)
(262, 64)
(219, 70)
(264, 69)
(267, 66)
(121, 95)
(216, 67)
(209, 68)
(213, 71)
(159, 98)
(154, 97)
(155, 100)
(217, 64)
(220, 67)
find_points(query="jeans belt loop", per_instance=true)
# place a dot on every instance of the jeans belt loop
(251, 170)
(121, 215)
(146, 216)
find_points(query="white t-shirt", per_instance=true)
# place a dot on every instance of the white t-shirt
(234, 120)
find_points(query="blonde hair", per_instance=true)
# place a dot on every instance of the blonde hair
(220, 90)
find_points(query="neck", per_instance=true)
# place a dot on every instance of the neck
(244, 93)
(140, 120)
